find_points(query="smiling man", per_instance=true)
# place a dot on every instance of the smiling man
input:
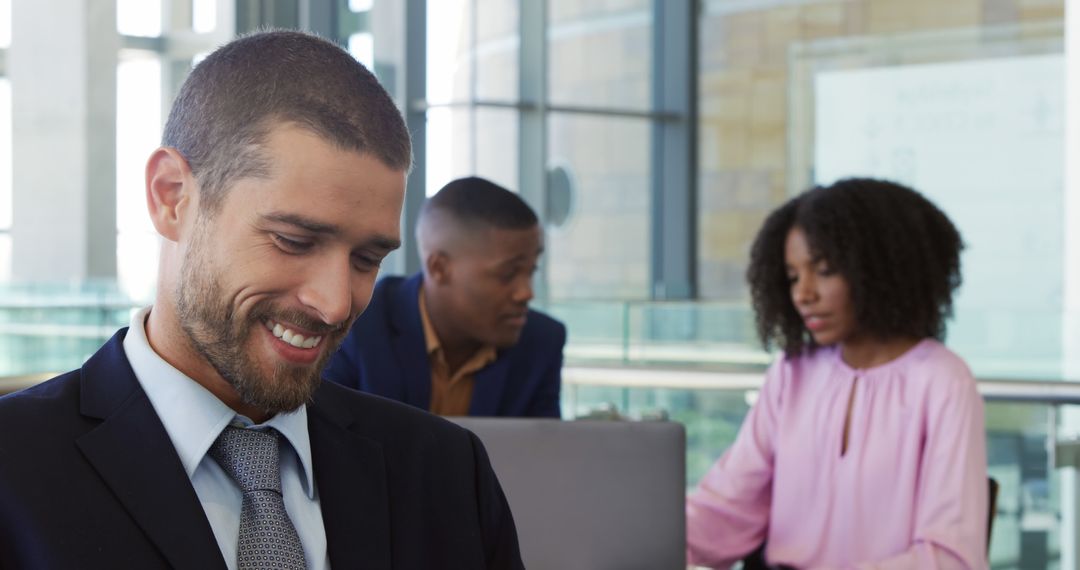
(459, 338)
(201, 436)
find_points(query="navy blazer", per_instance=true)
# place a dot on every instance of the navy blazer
(90, 479)
(385, 353)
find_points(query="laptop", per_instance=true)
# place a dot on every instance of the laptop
(591, 494)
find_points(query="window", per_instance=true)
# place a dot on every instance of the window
(5, 23)
(5, 147)
(139, 17)
(472, 78)
(595, 115)
(6, 214)
(138, 133)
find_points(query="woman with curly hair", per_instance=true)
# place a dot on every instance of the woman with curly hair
(865, 448)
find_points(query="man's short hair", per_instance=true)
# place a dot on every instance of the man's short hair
(233, 98)
(476, 203)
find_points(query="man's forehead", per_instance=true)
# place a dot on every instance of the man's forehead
(504, 243)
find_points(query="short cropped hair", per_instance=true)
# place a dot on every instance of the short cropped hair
(899, 253)
(233, 99)
(478, 203)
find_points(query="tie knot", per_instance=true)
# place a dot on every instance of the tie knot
(250, 457)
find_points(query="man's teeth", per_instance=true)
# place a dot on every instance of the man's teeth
(297, 340)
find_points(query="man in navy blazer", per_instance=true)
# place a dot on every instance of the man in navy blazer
(458, 338)
(277, 192)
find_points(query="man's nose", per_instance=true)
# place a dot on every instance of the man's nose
(329, 292)
(523, 291)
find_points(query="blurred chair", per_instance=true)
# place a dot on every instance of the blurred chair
(992, 503)
(756, 559)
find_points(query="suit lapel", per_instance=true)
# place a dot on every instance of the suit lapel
(489, 384)
(350, 476)
(410, 348)
(135, 457)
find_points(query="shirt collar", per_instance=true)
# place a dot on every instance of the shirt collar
(193, 417)
(431, 340)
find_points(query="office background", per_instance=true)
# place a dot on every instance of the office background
(652, 137)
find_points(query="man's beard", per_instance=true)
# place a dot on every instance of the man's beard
(220, 336)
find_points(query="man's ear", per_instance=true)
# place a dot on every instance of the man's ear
(438, 267)
(171, 193)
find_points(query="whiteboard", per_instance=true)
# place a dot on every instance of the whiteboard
(985, 141)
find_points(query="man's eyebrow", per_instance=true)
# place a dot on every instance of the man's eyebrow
(385, 243)
(517, 258)
(380, 242)
(302, 223)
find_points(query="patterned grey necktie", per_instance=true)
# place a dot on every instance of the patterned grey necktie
(267, 536)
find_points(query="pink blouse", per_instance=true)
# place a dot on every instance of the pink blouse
(910, 491)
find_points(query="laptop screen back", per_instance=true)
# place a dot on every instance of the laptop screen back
(591, 495)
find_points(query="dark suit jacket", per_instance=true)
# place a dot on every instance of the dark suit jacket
(90, 479)
(385, 354)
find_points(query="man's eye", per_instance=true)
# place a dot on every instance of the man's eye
(290, 245)
(366, 263)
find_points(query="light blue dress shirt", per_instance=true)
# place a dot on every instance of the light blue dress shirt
(193, 418)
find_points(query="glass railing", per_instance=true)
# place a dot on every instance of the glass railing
(56, 327)
(656, 333)
(1012, 344)
(50, 327)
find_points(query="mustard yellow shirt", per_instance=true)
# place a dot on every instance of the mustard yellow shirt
(450, 394)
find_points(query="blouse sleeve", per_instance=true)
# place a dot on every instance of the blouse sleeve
(728, 514)
(952, 499)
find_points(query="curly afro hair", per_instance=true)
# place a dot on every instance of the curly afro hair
(898, 252)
